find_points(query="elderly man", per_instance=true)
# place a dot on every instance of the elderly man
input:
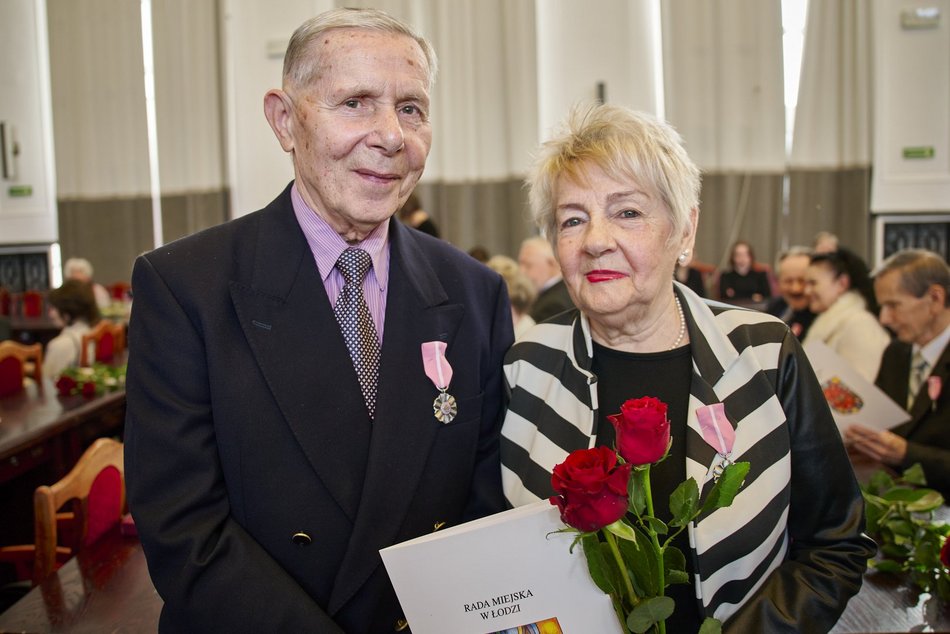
(792, 304)
(314, 381)
(913, 289)
(537, 262)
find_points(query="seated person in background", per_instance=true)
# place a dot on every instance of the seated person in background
(412, 214)
(80, 269)
(791, 306)
(840, 294)
(743, 282)
(824, 242)
(913, 289)
(521, 292)
(73, 308)
(480, 253)
(537, 261)
(685, 274)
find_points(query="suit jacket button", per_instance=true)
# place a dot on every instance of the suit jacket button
(401, 624)
(301, 539)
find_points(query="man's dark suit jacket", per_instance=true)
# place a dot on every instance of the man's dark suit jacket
(551, 301)
(928, 431)
(246, 427)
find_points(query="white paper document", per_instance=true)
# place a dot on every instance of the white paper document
(499, 573)
(852, 398)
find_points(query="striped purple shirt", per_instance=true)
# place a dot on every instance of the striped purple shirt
(327, 245)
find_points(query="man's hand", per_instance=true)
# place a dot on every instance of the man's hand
(884, 446)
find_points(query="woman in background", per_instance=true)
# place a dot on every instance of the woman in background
(72, 308)
(841, 295)
(521, 292)
(743, 282)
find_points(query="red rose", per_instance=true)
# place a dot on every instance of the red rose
(89, 389)
(643, 432)
(945, 553)
(591, 488)
(65, 385)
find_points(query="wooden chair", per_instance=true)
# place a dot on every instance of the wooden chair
(107, 339)
(95, 489)
(120, 291)
(18, 360)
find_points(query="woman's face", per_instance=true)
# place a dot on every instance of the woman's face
(612, 244)
(741, 259)
(55, 317)
(822, 287)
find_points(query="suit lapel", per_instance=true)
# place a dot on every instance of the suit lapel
(405, 428)
(290, 327)
(922, 403)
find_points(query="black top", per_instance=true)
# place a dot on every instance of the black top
(733, 286)
(665, 375)
(427, 226)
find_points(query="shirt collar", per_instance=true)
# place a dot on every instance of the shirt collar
(327, 245)
(932, 350)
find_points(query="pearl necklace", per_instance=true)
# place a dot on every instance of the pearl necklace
(679, 310)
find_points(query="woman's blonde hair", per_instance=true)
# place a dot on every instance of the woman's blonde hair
(626, 145)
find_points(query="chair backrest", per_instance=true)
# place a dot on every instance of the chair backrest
(120, 291)
(16, 361)
(32, 304)
(106, 338)
(97, 482)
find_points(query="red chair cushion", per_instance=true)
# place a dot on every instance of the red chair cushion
(32, 304)
(11, 376)
(103, 507)
(105, 349)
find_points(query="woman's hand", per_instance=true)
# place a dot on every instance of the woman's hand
(884, 446)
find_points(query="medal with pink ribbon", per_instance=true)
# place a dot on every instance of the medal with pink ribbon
(440, 373)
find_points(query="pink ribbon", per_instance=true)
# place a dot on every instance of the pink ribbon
(934, 385)
(436, 365)
(716, 428)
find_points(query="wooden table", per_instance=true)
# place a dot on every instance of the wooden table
(42, 436)
(37, 425)
(28, 330)
(106, 588)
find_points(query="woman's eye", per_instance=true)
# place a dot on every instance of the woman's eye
(629, 213)
(352, 103)
(570, 222)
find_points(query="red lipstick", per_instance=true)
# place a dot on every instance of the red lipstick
(601, 275)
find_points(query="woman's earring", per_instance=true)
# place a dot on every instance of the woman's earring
(683, 257)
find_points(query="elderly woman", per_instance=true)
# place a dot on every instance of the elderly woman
(618, 197)
(840, 294)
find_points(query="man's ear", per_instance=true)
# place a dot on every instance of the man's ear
(279, 110)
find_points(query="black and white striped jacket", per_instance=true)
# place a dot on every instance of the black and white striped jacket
(793, 533)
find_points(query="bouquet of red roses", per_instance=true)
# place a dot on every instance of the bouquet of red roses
(604, 496)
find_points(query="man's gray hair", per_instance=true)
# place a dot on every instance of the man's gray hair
(919, 269)
(301, 63)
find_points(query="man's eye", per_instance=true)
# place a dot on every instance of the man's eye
(352, 103)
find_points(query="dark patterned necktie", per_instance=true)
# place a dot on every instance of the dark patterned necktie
(356, 323)
(918, 374)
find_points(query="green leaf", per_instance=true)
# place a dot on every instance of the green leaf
(930, 501)
(887, 565)
(904, 494)
(901, 527)
(597, 564)
(873, 514)
(914, 474)
(684, 502)
(653, 610)
(710, 626)
(636, 492)
(725, 490)
(643, 560)
(676, 577)
(622, 530)
(880, 482)
(658, 526)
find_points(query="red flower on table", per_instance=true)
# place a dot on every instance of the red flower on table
(643, 431)
(65, 385)
(89, 389)
(945, 554)
(591, 488)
